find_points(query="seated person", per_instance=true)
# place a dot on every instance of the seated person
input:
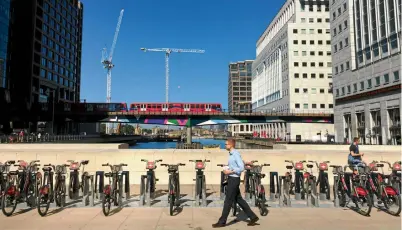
(355, 157)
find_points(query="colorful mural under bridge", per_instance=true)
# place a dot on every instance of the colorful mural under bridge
(183, 121)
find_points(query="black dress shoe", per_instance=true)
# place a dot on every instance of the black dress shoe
(218, 225)
(253, 221)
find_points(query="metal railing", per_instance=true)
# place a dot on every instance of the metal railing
(46, 138)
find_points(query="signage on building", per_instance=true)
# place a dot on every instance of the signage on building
(369, 93)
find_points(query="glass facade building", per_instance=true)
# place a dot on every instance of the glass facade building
(4, 25)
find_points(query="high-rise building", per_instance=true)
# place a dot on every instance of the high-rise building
(45, 51)
(366, 47)
(4, 26)
(239, 86)
(293, 69)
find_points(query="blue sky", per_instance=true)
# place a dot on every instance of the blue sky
(226, 30)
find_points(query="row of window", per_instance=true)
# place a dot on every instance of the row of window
(54, 77)
(65, 39)
(58, 59)
(311, 20)
(342, 44)
(311, 53)
(345, 26)
(58, 69)
(313, 106)
(312, 42)
(345, 6)
(69, 54)
(312, 64)
(385, 79)
(312, 91)
(68, 11)
(374, 51)
(341, 67)
(311, 5)
(311, 31)
(313, 75)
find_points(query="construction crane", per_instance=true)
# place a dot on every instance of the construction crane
(108, 65)
(167, 52)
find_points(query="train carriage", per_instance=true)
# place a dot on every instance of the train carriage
(175, 107)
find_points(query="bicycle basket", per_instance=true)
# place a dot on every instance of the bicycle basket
(299, 166)
(337, 170)
(22, 165)
(396, 166)
(199, 165)
(150, 165)
(323, 166)
(61, 169)
(248, 165)
(75, 166)
(257, 169)
(117, 168)
(373, 166)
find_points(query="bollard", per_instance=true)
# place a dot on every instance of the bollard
(298, 174)
(313, 201)
(99, 188)
(126, 175)
(323, 186)
(222, 189)
(273, 192)
(284, 198)
(142, 190)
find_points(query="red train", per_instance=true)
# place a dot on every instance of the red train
(175, 107)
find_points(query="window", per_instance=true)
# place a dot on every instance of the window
(311, 42)
(305, 106)
(320, 53)
(304, 75)
(330, 75)
(347, 65)
(322, 106)
(295, 42)
(296, 75)
(333, 15)
(295, 31)
(340, 45)
(339, 11)
(334, 33)
(312, 53)
(355, 87)
(296, 53)
(396, 76)
(377, 81)
(305, 90)
(336, 70)
(329, 64)
(361, 85)
(319, 42)
(314, 106)
(345, 24)
(341, 68)
(331, 106)
(335, 48)
(296, 90)
(319, 20)
(303, 42)
(349, 89)
(386, 78)
(337, 92)
(340, 28)
(321, 75)
(321, 64)
(328, 42)
(322, 91)
(297, 106)
(384, 46)
(296, 64)
(311, 31)
(303, 20)
(327, 20)
(304, 53)
(369, 83)
(344, 6)
(303, 31)
(346, 42)
(313, 90)
(49, 75)
(304, 64)
(311, 20)
(42, 73)
(313, 75)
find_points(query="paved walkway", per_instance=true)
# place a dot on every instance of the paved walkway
(198, 219)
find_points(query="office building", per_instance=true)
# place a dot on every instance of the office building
(45, 51)
(239, 86)
(366, 47)
(293, 70)
(4, 26)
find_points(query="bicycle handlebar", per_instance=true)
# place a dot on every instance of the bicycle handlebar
(222, 165)
(200, 160)
(156, 161)
(9, 162)
(50, 165)
(178, 164)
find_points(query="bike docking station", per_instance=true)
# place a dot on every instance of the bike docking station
(200, 191)
(148, 182)
(99, 185)
(80, 189)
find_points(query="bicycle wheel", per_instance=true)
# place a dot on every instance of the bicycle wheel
(327, 190)
(106, 201)
(340, 193)
(363, 201)
(71, 187)
(60, 194)
(261, 201)
(392, 201)
(9, 200)
(171, 195)
(43, 200)
(302, 191)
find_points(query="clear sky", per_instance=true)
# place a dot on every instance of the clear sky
(226, 29)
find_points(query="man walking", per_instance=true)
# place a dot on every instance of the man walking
(236, 166)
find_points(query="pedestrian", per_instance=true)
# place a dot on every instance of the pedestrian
(236, 166)
(355, 158)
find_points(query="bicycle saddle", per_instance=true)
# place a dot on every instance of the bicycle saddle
(262, 175)
(289, 166)
(380, 165)
(108, 174)
(13, 173)
(47, 169)
(84, 162)
(173, 168)
(310, 166)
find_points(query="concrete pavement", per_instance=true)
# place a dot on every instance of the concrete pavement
(197, 219)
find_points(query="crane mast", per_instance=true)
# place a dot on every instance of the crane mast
(167, 52)
(108, 64)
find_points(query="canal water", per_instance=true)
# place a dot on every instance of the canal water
(172, 145)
